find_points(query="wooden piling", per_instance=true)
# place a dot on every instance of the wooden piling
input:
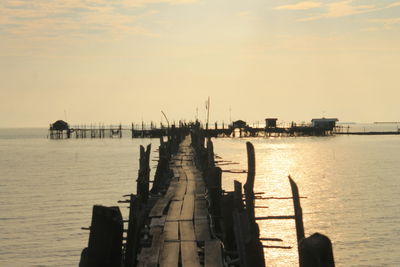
(298, 214)
(316, 251)
(105, 240)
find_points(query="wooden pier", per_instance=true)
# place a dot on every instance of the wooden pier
(62, 130)
(186, 219)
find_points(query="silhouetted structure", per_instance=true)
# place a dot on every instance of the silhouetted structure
(270, 122)
(59, 130)
(324, 123)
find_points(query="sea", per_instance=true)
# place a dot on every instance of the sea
(349, 187)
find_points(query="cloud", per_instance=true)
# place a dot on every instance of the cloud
(299, 6)
(386, 23)
(346, 8)
(342, 9)
(48, 19)
(396, 4)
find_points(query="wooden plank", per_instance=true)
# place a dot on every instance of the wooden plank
(172, 188)
(186, 231)
(176, 172)
(189, 173)
(191, 187)
(150, 256)
(202, 230)
(180, 190)
(174, 211)
(212, 254)
(171, 231)
(189, 256)
(200, 188)
(187, 208)
(170, 254)
(158, 221)
(159, 207)
(200, 209)
(182, 174)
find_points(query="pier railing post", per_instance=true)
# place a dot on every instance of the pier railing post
(105, 240)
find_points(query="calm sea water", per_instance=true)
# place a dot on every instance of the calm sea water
(351, 185)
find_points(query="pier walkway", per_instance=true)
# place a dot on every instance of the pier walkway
(187, 220)
(179, 220)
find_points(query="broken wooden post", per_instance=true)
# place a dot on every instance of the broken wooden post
(249, 185)
(316, 251)
(144, 173)
(135, 224)
(105, 240)
(298, 214)
(215, 191)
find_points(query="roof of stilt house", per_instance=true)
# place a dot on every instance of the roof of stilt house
(60, 125)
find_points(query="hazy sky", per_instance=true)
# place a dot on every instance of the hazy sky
(117, 61)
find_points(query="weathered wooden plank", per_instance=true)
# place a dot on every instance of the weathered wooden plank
(171, 231)
(187, 208)
(186, 231)
(158, 221)
(202, 230)
(212, 254)
(200, 188)
(174, 211)
(180, 190)
(189, 256)
(182, 175)
(170, 254)
(189, 173)
(191, 187)
(159, 207)
(175, 170)
(150, 256)
(173, 185)
(200, 209)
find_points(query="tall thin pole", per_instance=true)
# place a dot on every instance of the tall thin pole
(165, 116)
(208, 112)
(230, 114)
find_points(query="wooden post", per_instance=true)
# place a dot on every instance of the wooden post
(210, 153)
(105, 240)
(249, 185)
(144, 174)
(133, 236)
(316, 251)
(238, 196)
(298, 213)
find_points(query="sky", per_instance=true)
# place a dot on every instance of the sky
(123, 61)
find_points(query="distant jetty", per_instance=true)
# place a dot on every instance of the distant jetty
(239, 128)
(318, 127)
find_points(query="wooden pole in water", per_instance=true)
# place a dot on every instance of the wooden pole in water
(298, 213)
(316, 251)
(249, 185)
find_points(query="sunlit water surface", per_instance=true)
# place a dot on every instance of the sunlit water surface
(351, 185)
(48, 188)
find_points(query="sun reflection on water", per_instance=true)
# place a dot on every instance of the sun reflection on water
(350, 187)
